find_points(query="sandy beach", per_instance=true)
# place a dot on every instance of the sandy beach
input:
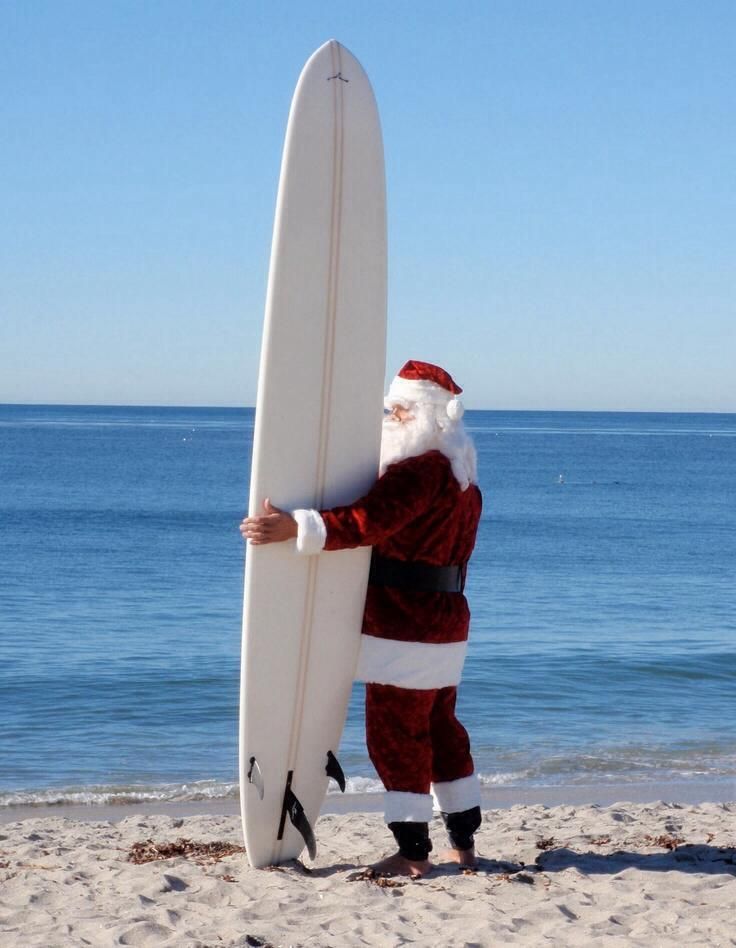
(654, 874)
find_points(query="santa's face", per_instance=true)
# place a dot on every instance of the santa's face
(407, 433)
(400, 414)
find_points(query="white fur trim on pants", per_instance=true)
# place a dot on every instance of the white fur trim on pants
(410, 664)
(454, 796)
(312, 532)
(400, 807)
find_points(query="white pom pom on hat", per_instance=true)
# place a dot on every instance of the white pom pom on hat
(424, 382)
(455, 409)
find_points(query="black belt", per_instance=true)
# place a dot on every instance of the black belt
(418, 576)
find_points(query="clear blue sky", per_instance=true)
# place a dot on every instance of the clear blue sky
(561, 186)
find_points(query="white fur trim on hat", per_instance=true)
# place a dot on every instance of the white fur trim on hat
(410, 664)
(454, 796)
(407, 391)
(311, 531)
(399, 807)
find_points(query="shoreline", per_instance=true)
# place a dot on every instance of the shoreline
(492, 798)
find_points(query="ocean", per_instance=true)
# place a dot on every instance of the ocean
(603, 594)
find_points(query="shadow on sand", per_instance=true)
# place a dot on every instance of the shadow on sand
(690, 857)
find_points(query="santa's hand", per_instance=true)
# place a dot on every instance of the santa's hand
(274, 527)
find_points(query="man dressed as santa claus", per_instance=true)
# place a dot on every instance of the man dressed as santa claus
(421, 518)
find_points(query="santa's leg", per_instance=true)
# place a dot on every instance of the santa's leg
(399, 745)
(454, 780)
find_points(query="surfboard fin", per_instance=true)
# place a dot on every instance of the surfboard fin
(298, 817)
(334, 770)
(256, 777)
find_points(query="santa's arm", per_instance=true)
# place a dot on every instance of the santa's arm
(405, 491)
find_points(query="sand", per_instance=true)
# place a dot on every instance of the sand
(654, 874)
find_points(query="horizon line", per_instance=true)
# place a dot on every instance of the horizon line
(557, 411)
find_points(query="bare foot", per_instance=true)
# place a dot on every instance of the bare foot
(398, 865)
(465, 858)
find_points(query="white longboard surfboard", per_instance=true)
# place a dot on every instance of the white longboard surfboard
(316, 444)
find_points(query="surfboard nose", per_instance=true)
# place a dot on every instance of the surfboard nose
(332, 52)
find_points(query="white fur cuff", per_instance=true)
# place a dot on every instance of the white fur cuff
(407, 807)
(312, 532)
(454, 796)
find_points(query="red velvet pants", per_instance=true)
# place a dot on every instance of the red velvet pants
(414, 738)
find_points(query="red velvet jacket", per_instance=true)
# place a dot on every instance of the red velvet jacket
(415, 512)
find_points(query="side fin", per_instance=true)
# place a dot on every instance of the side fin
(298, 817)
(334, 770)
(256, 777)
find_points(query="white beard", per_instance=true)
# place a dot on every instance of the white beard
(422, 433)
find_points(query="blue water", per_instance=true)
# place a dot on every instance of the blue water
(602, 590)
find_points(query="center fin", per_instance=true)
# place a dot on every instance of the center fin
(298, 817)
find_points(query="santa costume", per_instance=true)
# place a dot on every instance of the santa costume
(421, 518)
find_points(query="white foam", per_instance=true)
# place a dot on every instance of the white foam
(112, 795)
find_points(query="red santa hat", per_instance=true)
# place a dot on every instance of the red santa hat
(424, 382)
